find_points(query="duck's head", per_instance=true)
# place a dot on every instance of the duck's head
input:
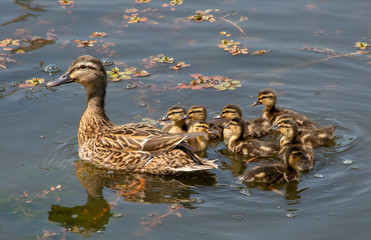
(197, 112)
(175, 113)
(237, 126)
(293, 156)
(266, 97)
(287, 127)
(86, 70)
(200, 127)
(230, 112)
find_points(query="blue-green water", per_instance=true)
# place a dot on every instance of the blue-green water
(38, 141)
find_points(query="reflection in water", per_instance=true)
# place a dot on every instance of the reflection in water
(139, 188)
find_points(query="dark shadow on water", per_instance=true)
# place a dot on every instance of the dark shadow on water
(94, 215)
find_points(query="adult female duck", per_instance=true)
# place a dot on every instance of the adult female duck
(131, 147)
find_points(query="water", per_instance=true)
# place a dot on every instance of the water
(38, 125)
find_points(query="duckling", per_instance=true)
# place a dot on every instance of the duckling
(312, 138)
(198, 143)
(175, 115)
(130, 147)
(256, 127)
(304, 139)
(268, 98)
(199, 113)
(252, 147)
(286, 171)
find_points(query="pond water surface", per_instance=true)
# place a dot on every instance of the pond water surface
(48, 193)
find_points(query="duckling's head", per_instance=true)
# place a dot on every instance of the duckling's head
(287, 127)
(175, 113)
(293, 156)
(197, 112)
(86, 70)
(231, 111)
(266, 97)
(237, 126)
(199, 126)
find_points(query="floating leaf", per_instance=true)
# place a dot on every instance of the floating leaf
(136, 19)
(141, 73)
(243, 18)
(180, 65)
(84, 43)
(98, 34)
(261, 52)
(35, 81)
(142, 1)
(166, 59)
(362, 45)
(176, 2)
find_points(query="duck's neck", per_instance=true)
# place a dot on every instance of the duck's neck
(177, 127)
(268, 111)
(288, 139)
(94, 119)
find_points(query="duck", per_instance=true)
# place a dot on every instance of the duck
(278, 173)
(268, 98)
(252, 147)
(134, 147)
(254, 128)
(175, 115)
(291, 133)
(198, 143)
(302, 138)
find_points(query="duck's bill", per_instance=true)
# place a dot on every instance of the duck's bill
(164, 119)
(218, 117)
(186, 117)
(274, 127)
(59, 81)
(255, 104)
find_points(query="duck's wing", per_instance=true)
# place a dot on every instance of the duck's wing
(142, 137)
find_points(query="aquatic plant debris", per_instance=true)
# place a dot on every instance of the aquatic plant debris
(98, 34)
(180, 65)
(362, 45)
(116, 75)
(198, 82)
(84, 43)
(66, 3)
(201, 16)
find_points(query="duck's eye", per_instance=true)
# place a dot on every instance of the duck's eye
(82, 66)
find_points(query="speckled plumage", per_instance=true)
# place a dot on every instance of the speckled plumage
(131, 147)
(276, 173)
(251, 147)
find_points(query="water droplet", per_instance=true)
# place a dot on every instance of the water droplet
(348, 162)
(99, 231)
(106, 62)
(42, 136)
(74, 216)
(110, 172)
(117, 215)
(317, 175)
(246, 192)
(52, 68)
(130, 86)
(291, 215)
(237, 218)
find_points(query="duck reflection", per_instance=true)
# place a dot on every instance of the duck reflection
(94, 215)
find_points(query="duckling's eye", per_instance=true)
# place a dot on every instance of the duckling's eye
(82, 66)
